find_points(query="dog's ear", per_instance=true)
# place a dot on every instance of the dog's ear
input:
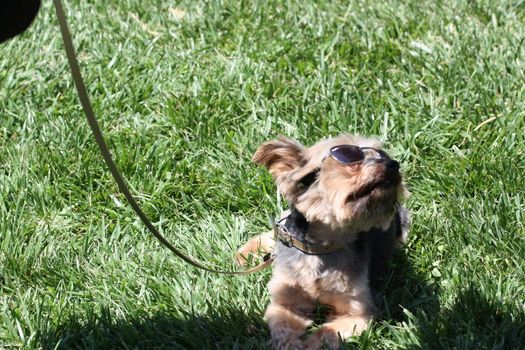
(281, 158)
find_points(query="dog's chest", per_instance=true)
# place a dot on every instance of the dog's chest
(319, 275)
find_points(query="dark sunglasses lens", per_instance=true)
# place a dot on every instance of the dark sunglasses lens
(347, 154)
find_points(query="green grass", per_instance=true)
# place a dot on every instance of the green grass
(184, 104)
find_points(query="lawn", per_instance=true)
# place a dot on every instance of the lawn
(185, 92)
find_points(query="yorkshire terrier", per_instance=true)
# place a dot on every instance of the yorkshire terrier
(333, 243)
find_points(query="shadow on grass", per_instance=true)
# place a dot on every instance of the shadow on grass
(473, 321)
(405, 289)
(225, 328)
(476, 322)
(229, 329)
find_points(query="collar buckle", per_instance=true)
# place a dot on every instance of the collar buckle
(283, 235)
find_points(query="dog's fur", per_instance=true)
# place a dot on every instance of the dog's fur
(356, 206)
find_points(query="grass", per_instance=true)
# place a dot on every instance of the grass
(185, 102)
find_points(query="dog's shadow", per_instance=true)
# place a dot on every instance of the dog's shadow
(228, 328)
(404, 291)
(472, 321)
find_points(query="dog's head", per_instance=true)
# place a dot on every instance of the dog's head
(347, 182)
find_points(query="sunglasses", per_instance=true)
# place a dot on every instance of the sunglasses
(349, 154)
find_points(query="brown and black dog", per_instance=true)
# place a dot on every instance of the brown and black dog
(334, 242)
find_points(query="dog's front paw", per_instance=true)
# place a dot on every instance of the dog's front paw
(241, 256)
(291, 343)
(324, 338)
(332, 334)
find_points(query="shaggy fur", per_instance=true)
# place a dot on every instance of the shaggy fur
(356, 206)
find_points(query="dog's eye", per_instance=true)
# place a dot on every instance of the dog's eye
(309, 179)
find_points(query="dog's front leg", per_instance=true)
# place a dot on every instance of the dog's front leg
(287, 314)
(256, 246)
(286, 327)
(348, 318)
(332, 333)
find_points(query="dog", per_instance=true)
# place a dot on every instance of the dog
(332, 245)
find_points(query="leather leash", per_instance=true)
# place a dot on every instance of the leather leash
(119, 179)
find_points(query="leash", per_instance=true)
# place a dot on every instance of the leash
(101, 142)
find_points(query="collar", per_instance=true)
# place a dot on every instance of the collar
(291, 231)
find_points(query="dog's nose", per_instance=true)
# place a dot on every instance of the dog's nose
(391, 164)
(391, 172)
